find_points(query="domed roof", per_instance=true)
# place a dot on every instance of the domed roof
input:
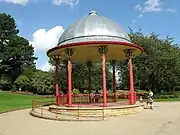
(86, 35)
(93, 28)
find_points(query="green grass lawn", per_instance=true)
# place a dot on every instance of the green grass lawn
(167, 100)
(12, 101)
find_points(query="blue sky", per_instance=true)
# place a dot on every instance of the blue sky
(43, 21)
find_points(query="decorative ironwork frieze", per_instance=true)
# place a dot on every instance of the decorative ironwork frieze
(102, 50)
(69, 53)
(128, 53)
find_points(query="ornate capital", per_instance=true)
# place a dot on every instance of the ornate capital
(56, 57)
(128, 53)
(69, 52)
(102, 50)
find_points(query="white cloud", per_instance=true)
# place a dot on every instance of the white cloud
(20, 2)
(46, 67)
(71, 3)
(42, 41)
(138, 7)
(153, 6)
(45, 39)
(149, 6)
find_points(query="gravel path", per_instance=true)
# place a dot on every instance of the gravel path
(163, 120)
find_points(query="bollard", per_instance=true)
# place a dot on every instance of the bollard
(32, 105)
(78, 112)
(41, 111)
(56, 113)
(102, 113)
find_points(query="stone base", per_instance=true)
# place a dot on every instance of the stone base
(97, 111)
(63, 113)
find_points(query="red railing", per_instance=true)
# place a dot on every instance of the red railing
(40, 108)
(96, 98)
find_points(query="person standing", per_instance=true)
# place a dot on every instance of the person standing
(150, 99)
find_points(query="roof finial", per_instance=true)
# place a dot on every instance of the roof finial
(93, 12)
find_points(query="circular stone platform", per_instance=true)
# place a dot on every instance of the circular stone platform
(85, 113)
(97, 111)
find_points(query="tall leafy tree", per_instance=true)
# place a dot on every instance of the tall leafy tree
(15, 51)
(158, 68)
(17, 55)
(22, 81)
(7, 31)
(7, 28)
(43, 82)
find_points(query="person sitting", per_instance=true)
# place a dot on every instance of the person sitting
(97, 96)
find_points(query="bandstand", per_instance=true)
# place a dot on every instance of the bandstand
(94, 38)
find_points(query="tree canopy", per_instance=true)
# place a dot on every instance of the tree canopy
(22, 81)
(158, 68)
(16, 52)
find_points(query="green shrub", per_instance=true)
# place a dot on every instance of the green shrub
(86, 91)
(75, 91)
(172, 96)
(166, 96)
(141, 91)
(13, 89)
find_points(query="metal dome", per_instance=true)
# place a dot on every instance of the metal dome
(93, 28)
(86, 35)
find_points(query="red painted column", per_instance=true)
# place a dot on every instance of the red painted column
(69, 53)
(132, 96)
(69, 82)
(57, 84)
(114, 83)
(103, 58)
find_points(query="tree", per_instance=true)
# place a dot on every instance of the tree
(29, 72)
(7, 31)
(4, 83)
(22, 81)
(43, 82)
(7, 28)
(15, 52)
(17, 55)
(158, 68)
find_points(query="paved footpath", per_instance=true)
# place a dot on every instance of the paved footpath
(163, 120)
